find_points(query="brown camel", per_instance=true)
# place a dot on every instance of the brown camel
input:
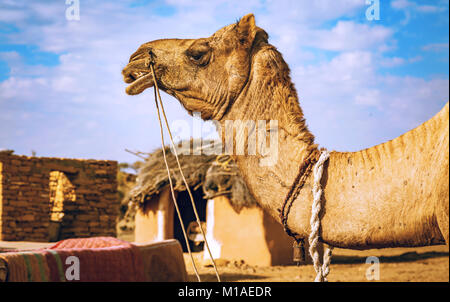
(391, 195)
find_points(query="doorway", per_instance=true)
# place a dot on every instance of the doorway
(61, 190)
(187, 213)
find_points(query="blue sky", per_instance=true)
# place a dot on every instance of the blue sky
(360, 82)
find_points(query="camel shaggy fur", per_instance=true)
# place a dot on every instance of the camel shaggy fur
(390, 195)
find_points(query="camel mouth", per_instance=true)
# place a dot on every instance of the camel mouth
(138, 80)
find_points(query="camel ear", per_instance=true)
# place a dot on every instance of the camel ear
(246, 29)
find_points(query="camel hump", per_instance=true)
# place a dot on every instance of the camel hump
(443, 112)
(441, 119)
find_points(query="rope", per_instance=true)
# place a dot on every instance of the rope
(324, 270)
(300, 180)
(158, 96)
(173, 193)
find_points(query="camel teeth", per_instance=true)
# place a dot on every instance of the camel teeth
(139, 74)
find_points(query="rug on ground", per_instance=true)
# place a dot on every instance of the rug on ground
(99, 259)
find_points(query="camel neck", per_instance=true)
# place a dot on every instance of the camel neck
(270, 95)
(272, 99)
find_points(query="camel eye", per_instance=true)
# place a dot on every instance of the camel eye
(199, 58)
(199, 55)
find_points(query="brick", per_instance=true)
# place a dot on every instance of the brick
(27, 217)
(104, 218)
(24, 169)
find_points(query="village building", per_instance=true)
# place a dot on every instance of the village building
(236, 227)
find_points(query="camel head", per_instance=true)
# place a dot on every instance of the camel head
(206, 75)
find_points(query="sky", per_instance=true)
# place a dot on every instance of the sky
(361, 81)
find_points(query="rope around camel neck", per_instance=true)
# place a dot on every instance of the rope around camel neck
(324, 270)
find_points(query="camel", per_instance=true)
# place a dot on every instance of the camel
(395, 194)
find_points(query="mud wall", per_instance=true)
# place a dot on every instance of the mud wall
(44, 199)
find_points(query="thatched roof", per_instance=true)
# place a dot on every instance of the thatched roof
(223, 178)
(215, 175)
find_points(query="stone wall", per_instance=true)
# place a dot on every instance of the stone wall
(47, 199)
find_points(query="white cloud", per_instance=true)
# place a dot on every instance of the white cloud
(429, 8)
(10, 56)
(348, 35)
(405, 4)
(310, 12)
(368, 98)
(401, 4)
(392, 62)
(410, 9)
(12, 15)
(436, 47)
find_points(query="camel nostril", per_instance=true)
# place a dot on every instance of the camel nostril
(152, 56)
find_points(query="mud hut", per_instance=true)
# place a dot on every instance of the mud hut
(236, 227)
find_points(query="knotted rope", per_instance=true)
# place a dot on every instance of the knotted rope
(324, 270)
(304, 171)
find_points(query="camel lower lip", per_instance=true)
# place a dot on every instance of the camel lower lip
(129, 79)
(139, 85)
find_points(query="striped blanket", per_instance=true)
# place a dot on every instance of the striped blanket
(85, 259)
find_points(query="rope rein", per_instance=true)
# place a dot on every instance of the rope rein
(303, 173)
(150, 63)
(313, 163)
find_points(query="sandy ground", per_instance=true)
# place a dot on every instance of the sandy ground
(427, 264)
